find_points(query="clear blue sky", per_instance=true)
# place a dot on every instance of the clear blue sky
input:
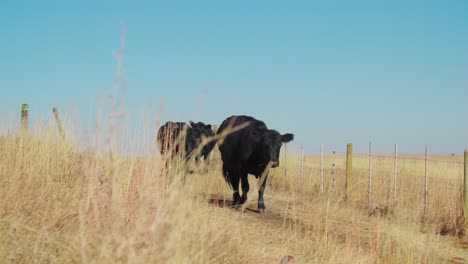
(331, 72)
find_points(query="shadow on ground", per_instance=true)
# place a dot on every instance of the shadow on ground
(222, 201)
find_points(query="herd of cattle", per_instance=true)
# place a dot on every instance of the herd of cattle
(246, 144)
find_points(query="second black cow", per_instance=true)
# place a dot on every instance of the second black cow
(249, 151)
(180, 138)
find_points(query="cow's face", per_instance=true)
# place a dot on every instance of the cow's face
(201, 130)
(271, 145)
(206, 130)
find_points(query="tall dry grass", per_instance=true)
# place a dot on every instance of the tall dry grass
(60, 205)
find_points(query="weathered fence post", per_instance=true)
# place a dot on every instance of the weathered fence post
(285, 161)
(333, 171)
(302, 165)
(465, 184)
(369, 190)
(425, 184)
(24, 117)
(349, 167)
(59, 122)
(321, 169)
(395, 172)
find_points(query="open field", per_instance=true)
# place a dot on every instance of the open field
(62, 206)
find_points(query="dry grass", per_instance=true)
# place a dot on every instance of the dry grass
(62, 206)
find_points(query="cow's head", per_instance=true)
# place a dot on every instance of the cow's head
(271, 145)
(200, 130)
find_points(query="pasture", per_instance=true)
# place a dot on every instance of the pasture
(61, 205)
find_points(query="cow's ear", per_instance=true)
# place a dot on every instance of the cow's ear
(192, 123)
(287, 137)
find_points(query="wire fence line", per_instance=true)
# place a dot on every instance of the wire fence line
(431, 183)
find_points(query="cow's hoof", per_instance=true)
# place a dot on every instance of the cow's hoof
(262, 211)
(235, 208)
(242, 200)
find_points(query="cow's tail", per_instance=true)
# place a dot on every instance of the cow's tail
(226, 176)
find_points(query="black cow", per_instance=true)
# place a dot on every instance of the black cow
(205, 131)
(179, 137)
(249, 151)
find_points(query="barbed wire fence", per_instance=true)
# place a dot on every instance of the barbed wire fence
(427, 184)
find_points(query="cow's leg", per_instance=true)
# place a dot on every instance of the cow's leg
(245, 186)
(234, 179)
(206, 160)
(197, 160)
(261, 203)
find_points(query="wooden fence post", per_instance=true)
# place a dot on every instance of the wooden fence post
(285, 161)
(395, 172)
(465, 184)
(369, 190)
(321, 170)
(24, 117)
(59, 122)
(333, 171)
(425, 184)
(302, 165)
(349, 167)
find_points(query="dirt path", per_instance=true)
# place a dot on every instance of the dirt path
(282, 231)
(267, 237)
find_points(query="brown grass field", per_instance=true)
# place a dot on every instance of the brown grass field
(62, 206)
